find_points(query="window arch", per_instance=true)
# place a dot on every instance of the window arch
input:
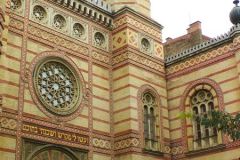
(150, 110)
(38, 151)
(191, 129)
(202, 102)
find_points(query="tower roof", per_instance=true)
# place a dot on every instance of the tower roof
(235, 13)
(101, 4)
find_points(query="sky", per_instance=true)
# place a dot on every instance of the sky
(176, 15)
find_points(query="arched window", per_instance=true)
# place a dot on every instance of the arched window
(150, 121)
(202, 102)
(39, 151)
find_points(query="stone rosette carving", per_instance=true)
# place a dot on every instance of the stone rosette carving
(100, 39)
(79, 30)
(17, 6)
(146, 44)
(39, 13)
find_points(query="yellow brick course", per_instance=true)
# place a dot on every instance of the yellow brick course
(7, 142)
(100, 157)
(14, 39)
(101, 93)
(101, 104)
(100, 71)
(102, 82)
(7, 155)
(14, 51)
(9, 76)
(100, 126)
(10, 103)
(33, 109)
(79, 121)
(36, 47)
(101, 115)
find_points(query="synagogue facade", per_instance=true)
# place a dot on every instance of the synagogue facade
(93, 80)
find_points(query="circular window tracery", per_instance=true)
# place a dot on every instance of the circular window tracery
(99, 39)
(78, 30)
(59, 22)
(57, 86)
(15, 4)
(39, 13)
(148, 99)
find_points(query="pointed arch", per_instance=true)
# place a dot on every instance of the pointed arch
(143, 90)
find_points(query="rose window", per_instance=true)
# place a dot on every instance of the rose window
(57, 87)
(15, 4)
(145, 44)
(78, 30)
(39, 13)
(99, 39)
(59, 22)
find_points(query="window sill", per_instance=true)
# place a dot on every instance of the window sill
(154, 153)
(203, 151)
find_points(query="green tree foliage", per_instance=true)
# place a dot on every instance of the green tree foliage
(222, 121)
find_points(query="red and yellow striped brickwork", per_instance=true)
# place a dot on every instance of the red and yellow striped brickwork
(114, 76)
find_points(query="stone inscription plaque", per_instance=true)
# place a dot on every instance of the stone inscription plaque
(55, 134)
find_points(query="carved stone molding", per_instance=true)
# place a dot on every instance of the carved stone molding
(139, 59)
(201, 58)
(57, 40)
(8, 123)
(101, 143)
(126, 143)
(140, 25)
(1, 26)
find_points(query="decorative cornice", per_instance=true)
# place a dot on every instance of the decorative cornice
(94, 3)
(101, 4)
(97, 11)
(125, 10)
(172, 59)
(185, 66)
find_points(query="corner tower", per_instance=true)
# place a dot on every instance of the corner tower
(141, 6)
